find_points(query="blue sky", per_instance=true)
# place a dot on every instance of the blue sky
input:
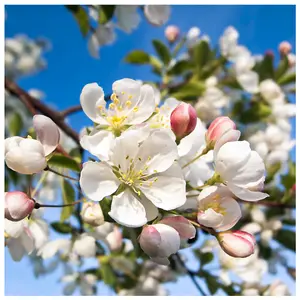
(70, 67)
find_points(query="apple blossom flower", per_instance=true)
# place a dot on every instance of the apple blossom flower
(29, 156)
(131, 104)
(192, 36)
(270, 90)
(19, 239)
(183, 120)
(157, 14)
(277, 288)
(92, 214)
(284, 48)
(172, 33)
(241, 169)
(217, 128)
(228, 41)
(217, 209)
(128, 17)
(142, 165)
(237, 243)
(17, 205)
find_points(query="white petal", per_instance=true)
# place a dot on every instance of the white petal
(245, 194)
(127, 210)
(97, 180)
(229, 136)
(166, 193)
(170, 240)
(249, 81)
(28, 158)
(161, 260)
(161, 150)
(151, 209)
(157, 14)
(27, 241)
(47, 133)
(11, 143)
(69, 288)
(91, 97)
(210, 218)
(51, 248)
(252, 228)
(16, 249)
(39, 230)
(14, 229)
(93, 46)
(185, 229)
(145, 105)
(128, 17)
(98, 143)
(85, 246)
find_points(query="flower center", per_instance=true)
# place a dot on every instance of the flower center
(215, 205)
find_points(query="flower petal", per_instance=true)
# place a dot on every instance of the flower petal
(91, 97)
(210, 218)
(151, 209)
(229, 136)
(47, 133)
(245, 194)
(98, 143)
(16, 249)
(127, 210)
(185, 229)
(157, 15)
(85, 246)
(161, 260)
(249, 81)
(97, 180)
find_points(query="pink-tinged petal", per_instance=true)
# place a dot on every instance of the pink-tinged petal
(47, 133)
(150, 240)
(17, 206)
(185, 229)
(229, 136)
(161, 260)
(210, 218)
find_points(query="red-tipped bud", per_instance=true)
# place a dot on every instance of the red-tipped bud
(172, 33)
(284, 48)
(17, 206)
(183, 120)
(237, 243)
(217, 129)
(269, 53)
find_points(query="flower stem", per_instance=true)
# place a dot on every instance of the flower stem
(205, 151)
(60, 174)
(43, 177)
(38, 205)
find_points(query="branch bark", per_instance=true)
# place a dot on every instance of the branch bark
(34, 105)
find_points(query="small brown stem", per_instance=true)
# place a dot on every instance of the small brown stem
(60, 174)
(269, 204)
(38, 205)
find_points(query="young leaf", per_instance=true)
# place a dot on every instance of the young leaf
(180, 68)
(137, 57)
(81, 17)
(106, 13)
(68, 195)
(201, 56)
(15, 124)
(162, 51)
(287, 79)
(58, 160)
(189, 91)
(61, 227)
(282, 68)
(287, 238)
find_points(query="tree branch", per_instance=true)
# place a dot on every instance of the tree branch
(269, 204)
(35, 105)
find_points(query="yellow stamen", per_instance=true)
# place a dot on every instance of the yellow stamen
(136, 109)
(128, 103)
(112, 106)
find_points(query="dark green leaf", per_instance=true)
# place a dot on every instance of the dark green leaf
(15, 124)
(180, 68)
(137, 57)
(189, 91)
(94, 271)
(232, 83)
(58, 160)
(68, 195)
(13, 176)
(282, 68)
(75, 153)
(105, 205)
(265, 68)
(287, 238)
(107, 274)
(162, 51)
(201, 56)
(81, 17)
(257, 112)
(212, 283)
(265, 252)
(106, 13)
(289, 179)
(290, 222)
(287, 79)
(61, 227)
(206, 258)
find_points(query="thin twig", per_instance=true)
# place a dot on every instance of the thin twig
(38, 205)
(269, 204)
(191, 275)
(35, 105)
(60, 174)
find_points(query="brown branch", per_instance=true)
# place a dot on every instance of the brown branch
(70, 110)
(269, 204)
(35, 105)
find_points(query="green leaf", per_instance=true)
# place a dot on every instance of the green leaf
(290, 222)
(206, 258)
(81, 17)
(189, 91)
(212, 283)
(265, 252)
(180, 68)
(287, 79)
(68, 195)
(265, 68)
(105, 205)
(137, 57)
(287, 238)
(75, 153)
(289, 179)
(257, 112)
(15, 124)
(58, 160)
(162, 51)
(107, 274)
(156, 65)
(201, 56)
(282, 68)
(61, 227)
(106, 13)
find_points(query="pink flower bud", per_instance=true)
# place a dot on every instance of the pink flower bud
(17, 206)
(172, 33)
(237, 243)
(269, 53)
(217, 129)
(285, 48)
(183, 120)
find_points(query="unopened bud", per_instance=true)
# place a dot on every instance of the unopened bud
(292, 59)
(183, 120)
(91, 214)
(269, 53)
(237, 243)
(172, 33)
(217, 129)
(17, 206)
(284, 48)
